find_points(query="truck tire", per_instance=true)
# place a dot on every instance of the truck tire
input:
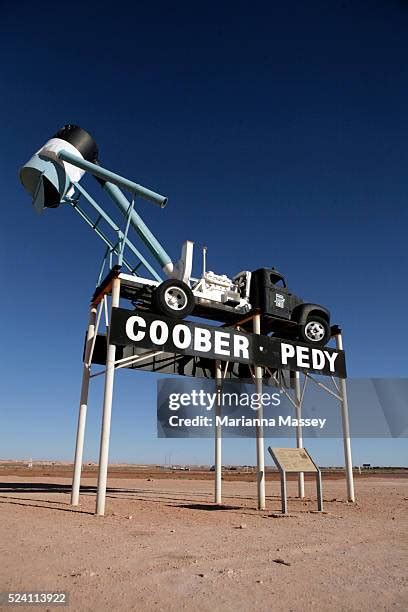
(315, 331)
(174, 299)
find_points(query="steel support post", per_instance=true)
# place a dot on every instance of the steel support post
(299, 434)
(284, 492)
(83, 405)
(260, 456)
(218, 434)
(346, 429)
(319, 491)
(107, 410)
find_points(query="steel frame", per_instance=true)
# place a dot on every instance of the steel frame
(297, 403)
(113, 248)
(99, 306)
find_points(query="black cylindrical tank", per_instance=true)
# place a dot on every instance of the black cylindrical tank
(81, 140)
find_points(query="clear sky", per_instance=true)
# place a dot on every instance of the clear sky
(278, 130)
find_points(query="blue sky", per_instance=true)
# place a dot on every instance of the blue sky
(279, 133)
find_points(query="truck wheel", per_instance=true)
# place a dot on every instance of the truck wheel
(315, 331)
(174, 298)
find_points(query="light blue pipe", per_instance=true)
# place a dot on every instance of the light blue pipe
(113, 225)
(116, 179)
(145, 234)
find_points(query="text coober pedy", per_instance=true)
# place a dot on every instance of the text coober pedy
(151, 331)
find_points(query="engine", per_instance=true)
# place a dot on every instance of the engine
(220, 288)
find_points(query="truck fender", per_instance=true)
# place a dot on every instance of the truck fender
(301, 313)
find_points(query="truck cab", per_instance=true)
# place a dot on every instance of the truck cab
(285, 313)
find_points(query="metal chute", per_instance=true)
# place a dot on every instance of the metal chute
(52, 177)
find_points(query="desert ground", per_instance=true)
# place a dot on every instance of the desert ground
(163, 545)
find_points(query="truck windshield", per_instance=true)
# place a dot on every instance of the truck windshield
(277, 279)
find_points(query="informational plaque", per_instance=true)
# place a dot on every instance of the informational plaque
(293, 459)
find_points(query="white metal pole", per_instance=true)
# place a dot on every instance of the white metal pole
(83, 404)
(218, 433)
(107, 410)
(299, 433)
(346, 429)
(260, 457)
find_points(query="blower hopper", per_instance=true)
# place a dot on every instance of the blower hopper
(46, 177)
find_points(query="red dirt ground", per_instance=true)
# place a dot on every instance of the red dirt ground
(163, 545)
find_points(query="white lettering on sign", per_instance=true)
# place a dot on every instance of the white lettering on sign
(331, 359)
(241, 346)
(302, 357)
(184, 331)
(156, 336)
(202, 340)
(308, 357)
(221, 343)
(287, 351)
(130, 328)
(318, 360)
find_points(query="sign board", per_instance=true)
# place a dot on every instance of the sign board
(182, 365)
(147, 330)
(292, 459)
(295, 460)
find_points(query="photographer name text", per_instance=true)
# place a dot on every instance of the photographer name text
(227, 421)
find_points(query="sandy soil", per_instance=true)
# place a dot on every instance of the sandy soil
(163, 546)
(129, 471)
